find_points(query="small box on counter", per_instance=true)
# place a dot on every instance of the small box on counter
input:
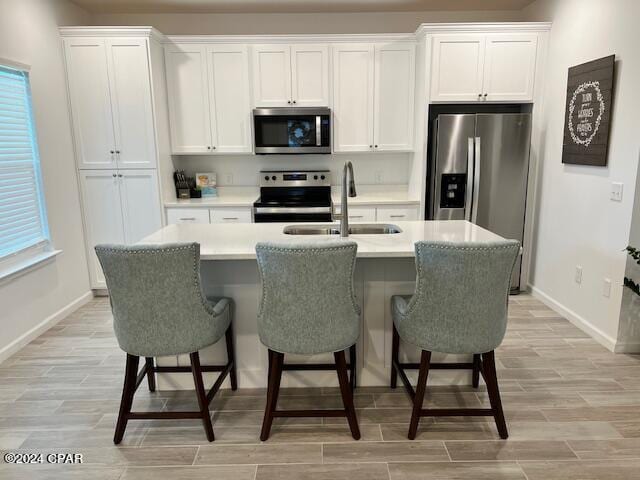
(206, 182)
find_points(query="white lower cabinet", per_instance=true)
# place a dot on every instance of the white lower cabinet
(178, 215)
(120, 206)
(396, 214)
(187, 215)
(359, 214)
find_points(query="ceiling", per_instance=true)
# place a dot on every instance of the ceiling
(294, 6)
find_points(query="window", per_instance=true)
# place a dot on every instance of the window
(23, 220)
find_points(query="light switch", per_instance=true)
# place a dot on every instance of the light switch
(606, 288)
(578, 274)
(616, 191)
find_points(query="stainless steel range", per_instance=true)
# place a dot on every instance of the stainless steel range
(294, 196)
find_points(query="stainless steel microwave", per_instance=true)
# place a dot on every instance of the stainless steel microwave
(292, 130)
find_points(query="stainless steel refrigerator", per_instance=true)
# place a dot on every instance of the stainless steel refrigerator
(478, 171)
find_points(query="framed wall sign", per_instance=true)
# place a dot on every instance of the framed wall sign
(588, 112)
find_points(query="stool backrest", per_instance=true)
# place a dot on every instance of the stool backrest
(156, 299)
(462, 289)
(308, 304)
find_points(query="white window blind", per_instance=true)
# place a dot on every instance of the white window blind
(23, 222)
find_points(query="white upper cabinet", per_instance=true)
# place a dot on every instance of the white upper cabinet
(209, 98)
(272, 75)
(188, 96)
(373, 97)
(285, 75)
(310, 75)
(110, 91)
(131, 102)
(230, 105)
(394, 87)
(509, 66)
(94, 135)
(353, 74)
(456, 68)
(483, 67)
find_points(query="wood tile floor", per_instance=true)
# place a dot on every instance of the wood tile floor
(573, 410)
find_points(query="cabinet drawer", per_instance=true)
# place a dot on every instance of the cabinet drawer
(187, 215)
(360, 214)
(230, 215)
(397, 214)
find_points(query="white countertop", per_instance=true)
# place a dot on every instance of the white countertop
(244, 197)
(237, 241)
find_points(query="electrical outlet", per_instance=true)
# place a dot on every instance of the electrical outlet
(606, 288)
(228, 179)
(616, 191)
(578, 275)
(378, 177)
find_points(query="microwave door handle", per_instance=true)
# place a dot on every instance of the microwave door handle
(476, 180)
(318, 132)
(469, 192)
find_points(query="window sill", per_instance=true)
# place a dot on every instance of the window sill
(17, 269)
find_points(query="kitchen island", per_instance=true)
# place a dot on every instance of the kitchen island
(385, 267)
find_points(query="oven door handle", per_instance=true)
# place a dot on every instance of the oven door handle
(276, 210)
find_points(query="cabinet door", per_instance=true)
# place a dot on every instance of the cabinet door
(140, 203)
(187, 215)
(457, 68)
(102, 216)
(230, 101)
(130, 83)
(509, 67)
(359, 213)
(188, 96)
(90, 102)
(401, 213)
(353, 97)
(394, 97)
(272, 75)
(230, 215)
(310, 75)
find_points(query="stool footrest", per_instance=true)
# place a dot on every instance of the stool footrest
(162, 415)
(438, 366)
(457, 412)
(309, 413)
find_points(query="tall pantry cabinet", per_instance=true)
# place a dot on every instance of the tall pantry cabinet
(110, 80)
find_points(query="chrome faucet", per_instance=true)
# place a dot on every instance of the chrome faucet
(343, 216)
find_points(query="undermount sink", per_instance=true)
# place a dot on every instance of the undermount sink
(358, 229)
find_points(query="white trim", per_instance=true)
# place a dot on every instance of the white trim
(16, 269)
(482, 27)
(106, 31)
(583, 324)
(46, 324)
(301, 38)
(7, 62)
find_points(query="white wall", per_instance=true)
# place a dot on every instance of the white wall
(29, 35)
(294, 23)
(577, 223)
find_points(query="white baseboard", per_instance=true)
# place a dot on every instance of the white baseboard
(43, 326)
(583, 324)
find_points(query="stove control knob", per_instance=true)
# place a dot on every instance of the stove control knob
(322, 177)
(273, 177)
(315, 177)
(266, 177)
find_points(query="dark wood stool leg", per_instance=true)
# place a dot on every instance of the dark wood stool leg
(151, 375)
(128, 390)
(421, 387)
(275, 374)
(475, 378)
(231, 357)
(490, 377)
(347, 395)
(352, 367)
(202, 395)
(395, 349)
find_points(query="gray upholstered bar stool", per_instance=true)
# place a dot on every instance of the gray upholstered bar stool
(308, 307)
(159, 310)
(459, 306)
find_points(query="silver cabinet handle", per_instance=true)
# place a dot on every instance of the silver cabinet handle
(397, 216)
(230, 218)
(318, 131)
(187, 219)
(356, 216)
(476, 181)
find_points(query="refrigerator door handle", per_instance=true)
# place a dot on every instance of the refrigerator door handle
(476, 180)
(467, 201)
